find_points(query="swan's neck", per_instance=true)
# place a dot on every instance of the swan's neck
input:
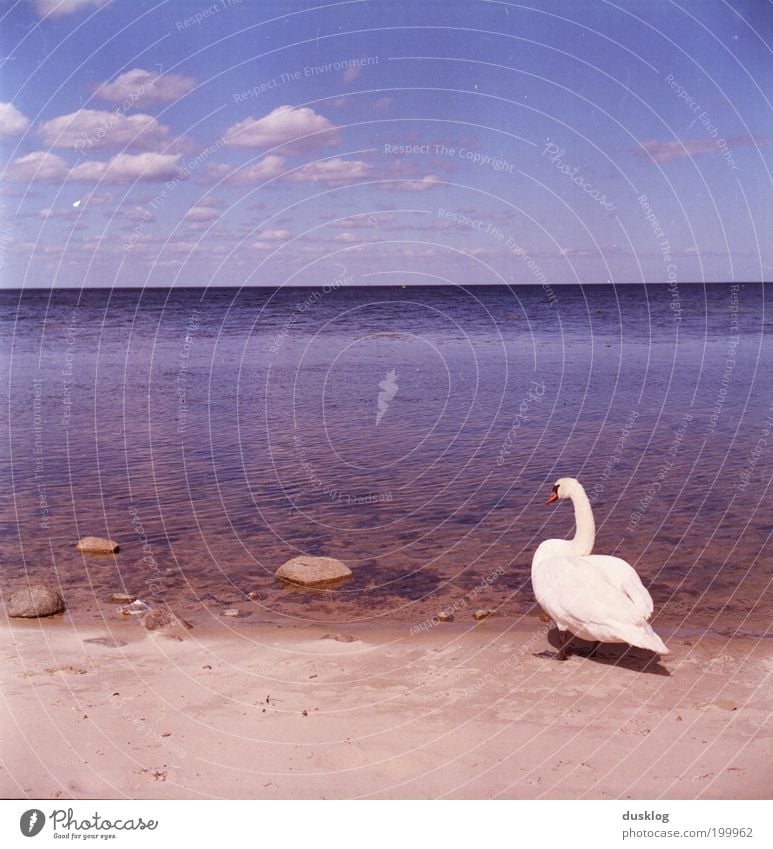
(585, 534)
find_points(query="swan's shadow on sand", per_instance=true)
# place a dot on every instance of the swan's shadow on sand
(610, 654)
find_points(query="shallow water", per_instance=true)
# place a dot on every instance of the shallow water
(229, 430)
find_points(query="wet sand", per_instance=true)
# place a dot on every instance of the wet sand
(266, 710)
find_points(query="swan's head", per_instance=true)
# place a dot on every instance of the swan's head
(564, 488)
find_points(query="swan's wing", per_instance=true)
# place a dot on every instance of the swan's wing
(624, 576)
(579, 591)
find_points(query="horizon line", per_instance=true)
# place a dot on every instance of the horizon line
(377, 285)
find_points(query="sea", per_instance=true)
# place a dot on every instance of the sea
(412, 432)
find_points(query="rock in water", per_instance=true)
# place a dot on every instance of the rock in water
(162, 617)
(313, 571)
(122, 598)
(34, 601)
(97, 545)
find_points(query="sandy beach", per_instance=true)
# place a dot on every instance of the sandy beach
(293, 711)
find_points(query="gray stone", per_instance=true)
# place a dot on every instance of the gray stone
(35, 601)
(162, 617)
(444, 616)
(305, 571)
(97, 545)
(482, 614)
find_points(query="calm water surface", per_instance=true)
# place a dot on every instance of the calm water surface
(227, 431)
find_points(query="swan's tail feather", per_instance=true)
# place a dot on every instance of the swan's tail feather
(644, 637)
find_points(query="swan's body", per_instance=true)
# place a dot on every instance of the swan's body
(594, 596)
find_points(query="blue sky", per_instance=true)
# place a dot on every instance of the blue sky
(267, 143)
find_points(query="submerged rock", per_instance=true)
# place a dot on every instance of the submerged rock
(35, 601)
(305, 571)
(163, 617)
(97, 545)
(122, 598)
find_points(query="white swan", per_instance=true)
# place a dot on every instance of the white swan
(595, 597)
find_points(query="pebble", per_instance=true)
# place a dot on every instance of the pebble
(122, 598)
(444, 616)
(482, 614)
(339, 638)
(232, 611)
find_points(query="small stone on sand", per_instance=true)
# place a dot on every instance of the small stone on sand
(339, 638)
(482, 614)
(232, 611)
(444, 616)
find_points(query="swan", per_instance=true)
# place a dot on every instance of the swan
(595, 597)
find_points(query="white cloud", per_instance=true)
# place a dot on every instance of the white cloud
(347, 238)
(268, 167)
(303, 127)
(351, 73)
(182, 247)
(576, 253)
(140, 86)
(333, 172)
(57, 213)
(58, 8)
(130, 168)
(12, 122)
(40, 166)
(666, 151)
(92, 129)
(201, 213)
(364, 220)
(139, 213)
(273, 235)
(96, 199)
(424, 184)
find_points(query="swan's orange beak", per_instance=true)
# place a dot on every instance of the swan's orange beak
(553, 497)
